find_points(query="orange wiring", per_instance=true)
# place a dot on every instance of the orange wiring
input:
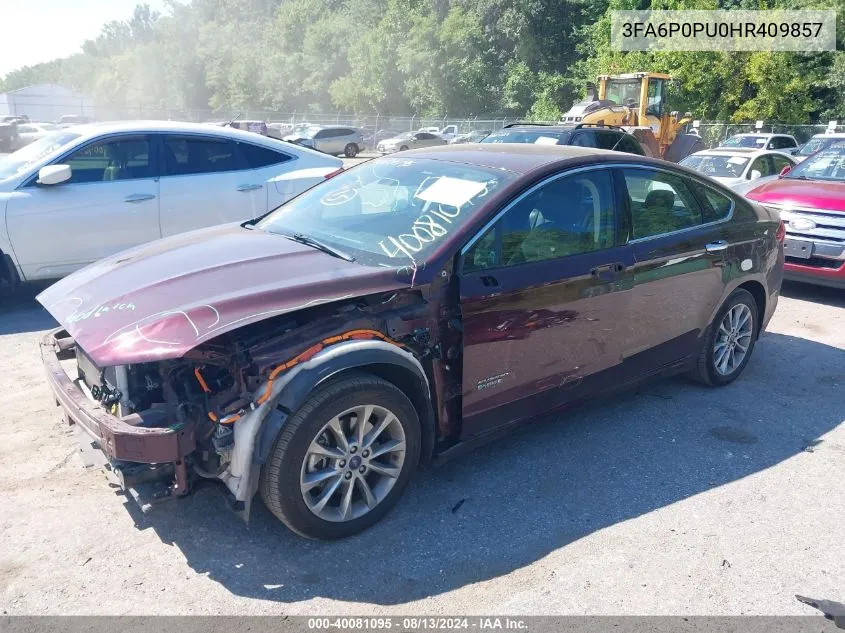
(314, 349)
(308, 354)
(201, 380)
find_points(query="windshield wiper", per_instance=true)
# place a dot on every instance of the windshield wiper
(314, 243)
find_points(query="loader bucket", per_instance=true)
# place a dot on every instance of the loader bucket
(683, 146)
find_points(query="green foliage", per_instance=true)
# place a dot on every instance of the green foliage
(435, 58)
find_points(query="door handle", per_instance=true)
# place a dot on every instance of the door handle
(249, 187)
(716, 247)
(607, 269)
(489, 281)
(139, 197)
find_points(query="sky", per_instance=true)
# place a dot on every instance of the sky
(33, 31)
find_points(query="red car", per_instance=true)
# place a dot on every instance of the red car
(811, 202)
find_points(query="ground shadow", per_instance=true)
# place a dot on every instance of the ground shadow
(509, 504)
(834, 297)
(20, 312)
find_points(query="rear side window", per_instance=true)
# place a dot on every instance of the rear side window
(608, 140)
(256, 156)
(717, 206)
(660, 203)
(628, 144)
(198, 155)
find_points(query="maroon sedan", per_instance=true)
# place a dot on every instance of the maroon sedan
(400, 312)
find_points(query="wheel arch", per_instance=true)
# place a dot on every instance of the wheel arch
(399, 367)
(759, 293)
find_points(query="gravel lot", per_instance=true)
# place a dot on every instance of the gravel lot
(674, 500)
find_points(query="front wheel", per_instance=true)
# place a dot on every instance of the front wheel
(351, 150)
(403, 148)
(343, 459)
(729, 341)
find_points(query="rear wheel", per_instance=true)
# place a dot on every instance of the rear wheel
(729, 341)
(344, 459)
(351, 150)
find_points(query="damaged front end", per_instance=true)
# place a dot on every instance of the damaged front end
(215, 412)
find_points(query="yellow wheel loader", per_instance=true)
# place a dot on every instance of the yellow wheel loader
(635, 101)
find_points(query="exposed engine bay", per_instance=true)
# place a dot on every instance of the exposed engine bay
(176, 421)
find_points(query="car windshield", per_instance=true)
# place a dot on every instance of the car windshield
(539, 137)
(828, 164)
(717, 166)
(815, 144)
(21, 160)
(389, 211)
(746, 140)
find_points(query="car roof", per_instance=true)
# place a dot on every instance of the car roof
(98, 129)
(522, 158)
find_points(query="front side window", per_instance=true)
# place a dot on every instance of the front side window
(188, 155)
(629, 145)
(783, 142)
(584, 139)
(568, 216)
(660, 203)
(389, 211)
(126, 158)
(763, 165)
(779, 162)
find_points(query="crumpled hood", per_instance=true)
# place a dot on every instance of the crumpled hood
(815, 194)
(159, 300)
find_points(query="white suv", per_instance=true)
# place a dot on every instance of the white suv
(82, 193)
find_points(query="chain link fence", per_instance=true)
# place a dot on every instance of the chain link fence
(375, 126)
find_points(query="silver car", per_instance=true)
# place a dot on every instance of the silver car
(410, 140)
(330, 140)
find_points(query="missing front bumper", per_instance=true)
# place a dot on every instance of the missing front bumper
(128, 446)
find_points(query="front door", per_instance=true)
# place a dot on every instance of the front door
(110, 203)
(543, 291)
(206, 182)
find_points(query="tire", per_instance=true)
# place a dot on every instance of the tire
(282, 483)
(404, 148)
(706, 370)
(351, 150)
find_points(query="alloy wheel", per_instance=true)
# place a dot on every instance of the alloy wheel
(352, 463)
(733, 339)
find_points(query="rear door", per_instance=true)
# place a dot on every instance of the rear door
(206, 182)
(681, 246)
(543, 290)
(111, 203)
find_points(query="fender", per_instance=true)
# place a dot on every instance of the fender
(256, 431)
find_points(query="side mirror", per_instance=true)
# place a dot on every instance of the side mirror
(54, 174)
(755, 174)
(785, 170)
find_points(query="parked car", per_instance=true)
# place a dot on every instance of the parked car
(476, 136)
(409, 140)
(811, 201)
(31, 132)
(8, 134)
(79, 194)
(582, 135)
(403, 311)
(330, 140)
(783, 142)
(74, 119)
(740, 169)
(817, 142)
